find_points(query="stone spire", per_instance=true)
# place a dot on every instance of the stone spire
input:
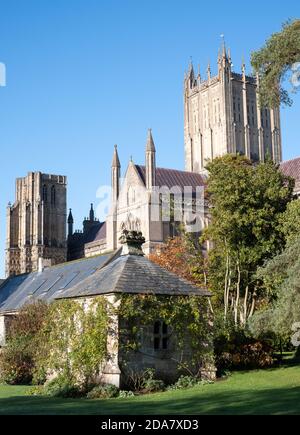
(150, 162)
(243, 68)
(150, 142)
(115, 175)
(116, 161)
(199, 73)
(208, 71)
(92, 213)
(70, 223)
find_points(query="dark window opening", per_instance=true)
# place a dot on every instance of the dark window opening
(161, 336)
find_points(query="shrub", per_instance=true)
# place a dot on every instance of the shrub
(185, 382)
(242, 352)
(144, 381)
(39, 376)
(149, 383)
(153, 385)
(63, 386)
(107, 391)
(125, 394)
(37, 390)
(16, 362)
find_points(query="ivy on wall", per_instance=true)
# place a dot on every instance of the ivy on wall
(187, 316)
(74, 338)
(69, 337)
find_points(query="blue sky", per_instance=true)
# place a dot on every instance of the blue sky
(83, 75)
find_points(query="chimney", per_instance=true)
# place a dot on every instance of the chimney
(132, 242)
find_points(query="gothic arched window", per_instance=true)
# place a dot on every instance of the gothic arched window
(53, 195)
(45, 193)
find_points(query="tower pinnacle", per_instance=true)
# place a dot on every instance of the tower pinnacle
(150, 143)
(116, 160)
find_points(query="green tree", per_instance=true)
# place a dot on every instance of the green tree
(290, 222)
(273, 61)
(246, 205)
(281, 278)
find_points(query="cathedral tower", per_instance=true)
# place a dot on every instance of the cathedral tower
(36, 223)
(222, 115)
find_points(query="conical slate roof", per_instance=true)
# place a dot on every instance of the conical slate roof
(133, 274)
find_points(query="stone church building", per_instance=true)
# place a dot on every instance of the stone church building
(221, 115)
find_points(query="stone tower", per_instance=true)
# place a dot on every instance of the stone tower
(222, 115)
(36, 223)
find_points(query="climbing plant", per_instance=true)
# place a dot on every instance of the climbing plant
(75, 339)
(188, 317)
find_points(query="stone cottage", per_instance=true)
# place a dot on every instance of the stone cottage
(126, 271)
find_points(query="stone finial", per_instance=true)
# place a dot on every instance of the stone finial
(92, 213)
(116, 161)
(132, 242)
(208, 71)
(243, 68)
(150, 142)
(229, 55)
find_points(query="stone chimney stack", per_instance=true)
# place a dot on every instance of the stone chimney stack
(132, 242)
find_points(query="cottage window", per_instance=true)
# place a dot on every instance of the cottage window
(161, 335)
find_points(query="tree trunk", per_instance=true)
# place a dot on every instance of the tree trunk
(237, 301)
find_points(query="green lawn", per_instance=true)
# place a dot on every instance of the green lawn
(273, 392)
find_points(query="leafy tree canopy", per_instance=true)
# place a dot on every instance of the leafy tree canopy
(274, 60)
(282, 276)
(246, 205)
(290, 222)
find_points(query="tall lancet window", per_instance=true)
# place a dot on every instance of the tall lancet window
(45, 193)
(53, 195)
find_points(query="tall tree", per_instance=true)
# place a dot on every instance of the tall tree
(273, 61)
(290, 222)
(246, 204)
(281, 278)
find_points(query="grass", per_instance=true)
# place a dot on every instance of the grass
(268, 392)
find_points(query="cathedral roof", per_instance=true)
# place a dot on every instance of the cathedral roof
(47, 285)
(101, 233)
(173, 177)
(291, 168)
